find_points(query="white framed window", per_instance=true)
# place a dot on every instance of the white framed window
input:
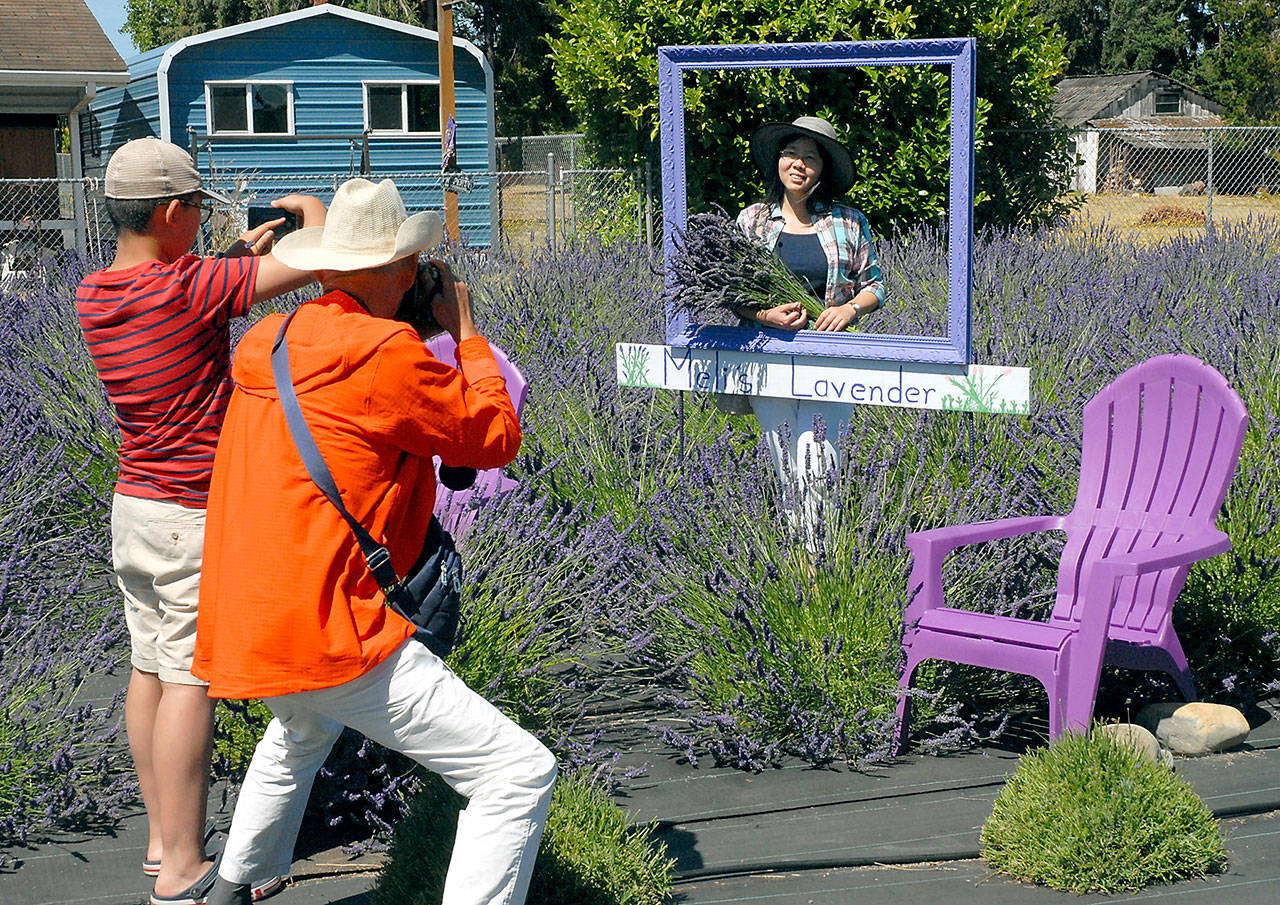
(402, 108)
(1168, 103)
(249, 108)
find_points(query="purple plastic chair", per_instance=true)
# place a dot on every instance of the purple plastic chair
(455, 508)
(1159, 449)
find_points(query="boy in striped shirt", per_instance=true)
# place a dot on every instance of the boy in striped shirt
(156, 322)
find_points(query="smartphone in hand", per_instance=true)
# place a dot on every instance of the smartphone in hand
(265, 213)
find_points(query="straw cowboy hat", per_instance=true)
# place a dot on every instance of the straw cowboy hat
(367, 226)
(767, 140)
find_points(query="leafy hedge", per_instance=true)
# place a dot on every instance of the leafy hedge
(894, 119)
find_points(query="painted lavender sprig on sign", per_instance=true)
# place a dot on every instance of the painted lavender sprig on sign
(719, 268)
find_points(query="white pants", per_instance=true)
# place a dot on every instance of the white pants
(803, 458)
(412, 703)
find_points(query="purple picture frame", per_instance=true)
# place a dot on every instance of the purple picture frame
(959, 54)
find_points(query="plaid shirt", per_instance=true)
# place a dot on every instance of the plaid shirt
(845, 236)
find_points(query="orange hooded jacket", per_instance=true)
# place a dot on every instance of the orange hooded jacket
(287, 603)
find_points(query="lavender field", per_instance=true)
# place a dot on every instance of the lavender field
(646, 563)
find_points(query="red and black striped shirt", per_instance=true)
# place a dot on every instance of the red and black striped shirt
(160, 338)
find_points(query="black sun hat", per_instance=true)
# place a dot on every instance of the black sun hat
(767, 140)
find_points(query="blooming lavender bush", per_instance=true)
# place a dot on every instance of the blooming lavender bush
(61, 756)
(649, 549)
(765, 658)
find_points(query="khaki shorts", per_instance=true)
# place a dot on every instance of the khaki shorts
(156, 550)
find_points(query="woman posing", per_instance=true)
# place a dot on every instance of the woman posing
(827, 245)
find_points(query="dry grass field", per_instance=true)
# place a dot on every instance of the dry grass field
(1160, 216)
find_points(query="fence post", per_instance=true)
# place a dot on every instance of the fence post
(551, 200)
(1208, 187)
(502, 223)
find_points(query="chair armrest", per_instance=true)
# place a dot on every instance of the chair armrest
(1182, 552)
(944, 540)
(929, 548)
(1101, 581)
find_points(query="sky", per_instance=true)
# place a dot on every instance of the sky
(110, 15)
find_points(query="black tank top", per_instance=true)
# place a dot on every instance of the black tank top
(803, 255)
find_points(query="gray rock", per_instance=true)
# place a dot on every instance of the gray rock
(1146, 744)
(1193, 730)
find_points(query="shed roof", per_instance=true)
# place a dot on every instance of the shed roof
(1078, 100)
(1083, 99)
(55, 36)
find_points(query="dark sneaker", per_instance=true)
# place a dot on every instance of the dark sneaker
(262, 889)
(195, 894)
(224, 892)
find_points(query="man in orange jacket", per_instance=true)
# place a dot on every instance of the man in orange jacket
(289, 611)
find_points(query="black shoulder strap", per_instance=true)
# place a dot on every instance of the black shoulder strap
(374, 553)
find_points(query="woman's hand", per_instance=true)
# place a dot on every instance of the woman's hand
(837, 317)
(790, 316)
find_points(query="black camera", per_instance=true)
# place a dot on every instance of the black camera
(415, 306)
(265, 213)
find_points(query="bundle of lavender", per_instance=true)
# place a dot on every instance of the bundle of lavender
(718, 267)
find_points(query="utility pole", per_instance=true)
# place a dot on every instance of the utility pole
(448, 121)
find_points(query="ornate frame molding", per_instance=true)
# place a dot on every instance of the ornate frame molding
(959, 54)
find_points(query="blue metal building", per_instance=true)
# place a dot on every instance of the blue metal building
(308, 93)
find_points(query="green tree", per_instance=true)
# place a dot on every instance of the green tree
(1241, 66)
(894, 119)
(1161, 35)
(1081, 23)
(152, 23)
(514, 37)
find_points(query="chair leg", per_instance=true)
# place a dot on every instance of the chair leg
(1186, 685)
(1055, 712)
(1181, 672)
(1076, 713)
(904, 705)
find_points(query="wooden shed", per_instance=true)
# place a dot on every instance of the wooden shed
(1135, 130)
(42, 81)
(278, 103)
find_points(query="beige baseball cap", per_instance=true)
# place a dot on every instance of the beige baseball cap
(151, 168)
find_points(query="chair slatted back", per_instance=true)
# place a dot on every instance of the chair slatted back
(1159, 449)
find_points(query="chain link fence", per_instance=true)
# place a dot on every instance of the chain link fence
(517, 210)
(1176, 177)
(1154, 178)
(566, 151)
(39, 217)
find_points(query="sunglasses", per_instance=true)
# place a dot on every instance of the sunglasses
(206, 210)
(809, 160)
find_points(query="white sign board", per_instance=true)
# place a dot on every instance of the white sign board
(959, 388)
(457, 182)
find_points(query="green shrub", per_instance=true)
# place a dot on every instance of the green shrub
(589, 854)
(895, 117)
(1089, 814)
